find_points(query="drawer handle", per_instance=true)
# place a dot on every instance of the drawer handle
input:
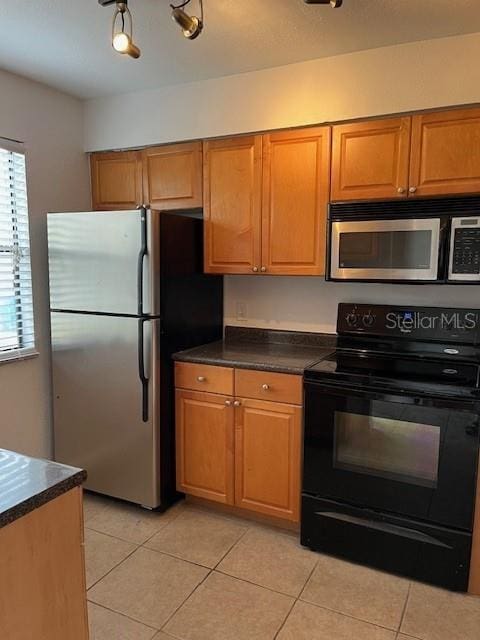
(201, 378)
(237, 403)
(265, 387)
(228, 403)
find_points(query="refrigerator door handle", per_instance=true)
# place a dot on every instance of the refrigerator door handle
(141, 258)
(141, 368)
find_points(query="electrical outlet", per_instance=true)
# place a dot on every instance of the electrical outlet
(241, 311)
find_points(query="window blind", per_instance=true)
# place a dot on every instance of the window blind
(17, 336)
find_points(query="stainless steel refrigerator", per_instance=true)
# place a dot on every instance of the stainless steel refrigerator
(127, 290)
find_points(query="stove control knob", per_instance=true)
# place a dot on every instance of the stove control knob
(368, 319)
(351, 319)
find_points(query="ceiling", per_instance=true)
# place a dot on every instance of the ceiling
(66, 43)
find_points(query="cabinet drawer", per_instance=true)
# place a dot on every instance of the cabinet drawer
(267, 385)
(203, 377)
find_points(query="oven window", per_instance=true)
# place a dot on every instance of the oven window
(385, 249)
(394, 449)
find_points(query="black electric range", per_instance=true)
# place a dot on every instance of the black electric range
(392, 439)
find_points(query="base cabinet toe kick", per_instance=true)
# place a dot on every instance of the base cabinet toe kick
(238, 441)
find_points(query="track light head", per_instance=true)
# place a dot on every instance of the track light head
(122, 40)
(191, 25)
(335, 4)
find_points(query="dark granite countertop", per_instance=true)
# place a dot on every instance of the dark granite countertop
(28, 483)
(263, 349)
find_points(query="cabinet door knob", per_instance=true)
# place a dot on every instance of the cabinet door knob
(265, 387)
(263, 269)
(412, 189)
(201, 378)
(228, 403)
(255, 269)
(237, 403)
(401, 190)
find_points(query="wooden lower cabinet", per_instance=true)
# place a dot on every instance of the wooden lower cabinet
(42, 573)
(242, 452)
(267, 458)
(205, 445)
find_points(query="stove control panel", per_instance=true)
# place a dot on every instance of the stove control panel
(465, 250)
(414, 323)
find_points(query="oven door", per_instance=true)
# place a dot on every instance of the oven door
(403, 249)
(412, 456)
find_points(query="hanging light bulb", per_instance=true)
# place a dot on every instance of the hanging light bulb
(191, 25)
(122, 40)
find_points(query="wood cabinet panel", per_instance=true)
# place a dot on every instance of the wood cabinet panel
(205, 445)
(267, 458)
(42, 573)
(371, 159)
(116, 180)
(445, 156)
(269, 385)
(232, 204)
(172, 176)
(296, 176)
(203, 377)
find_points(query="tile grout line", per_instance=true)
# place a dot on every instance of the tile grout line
(348, 615)
(209, 572)
(404, 608)
(124, 615)
(237, 542)
(166, 524)
(114, 567)
(296, 599)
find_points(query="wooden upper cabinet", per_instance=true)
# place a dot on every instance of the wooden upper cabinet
(371, 159)
(296, 184)
(232, 204)
(172, 176)
(445, 154)
(116, 180)
(267, 458)
(205, 445)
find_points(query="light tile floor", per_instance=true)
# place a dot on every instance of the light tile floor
(190, 574)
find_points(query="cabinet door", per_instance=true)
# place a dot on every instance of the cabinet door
(371, 159)
(445, 155)
(172, 176)
(296, 177)
(116, 180)
(267, 458)
(232, 204)
(204, 445)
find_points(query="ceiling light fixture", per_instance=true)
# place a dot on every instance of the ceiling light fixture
(191, 25)
(122, 40)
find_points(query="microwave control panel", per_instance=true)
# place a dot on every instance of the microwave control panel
(465, 250)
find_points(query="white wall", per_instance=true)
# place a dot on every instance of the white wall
(406, 77)
(51, 125)
(310, 304)
(401, 78)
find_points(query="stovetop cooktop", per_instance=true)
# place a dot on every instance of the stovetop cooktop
(425, 349)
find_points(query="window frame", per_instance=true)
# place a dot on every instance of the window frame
(20, 352)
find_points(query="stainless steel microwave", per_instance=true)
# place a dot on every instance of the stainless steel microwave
(423, 241)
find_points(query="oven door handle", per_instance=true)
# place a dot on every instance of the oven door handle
(400, 395)
(385, 527)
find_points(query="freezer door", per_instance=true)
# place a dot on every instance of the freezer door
(98, 403)
(95, 259)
